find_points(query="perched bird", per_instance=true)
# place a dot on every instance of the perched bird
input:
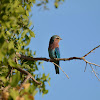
(53, 50)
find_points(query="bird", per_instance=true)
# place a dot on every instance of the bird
(54, 51)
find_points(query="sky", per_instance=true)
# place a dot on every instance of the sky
(77, 22)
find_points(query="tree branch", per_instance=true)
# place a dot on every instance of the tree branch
(90, 63)
(91, 51)
(57, 59)
(28, 74)
(62, 59)
(61, 69)
(46, 59)
(94, 72)
(27, 77)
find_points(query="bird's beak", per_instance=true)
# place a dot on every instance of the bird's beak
(60, 38)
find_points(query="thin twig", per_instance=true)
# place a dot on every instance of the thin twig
(90, 62)
(85, 67)
(61, 69)
(27, 77)
(10, 72)
(91, 51)
(94, 72)
(6, 88)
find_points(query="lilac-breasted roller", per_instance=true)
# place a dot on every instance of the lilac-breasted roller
(53, 50)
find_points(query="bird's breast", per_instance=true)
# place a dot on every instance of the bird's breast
(53, 45)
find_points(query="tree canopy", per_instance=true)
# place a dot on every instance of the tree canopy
(15, 36)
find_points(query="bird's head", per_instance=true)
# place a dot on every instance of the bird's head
(54, 38)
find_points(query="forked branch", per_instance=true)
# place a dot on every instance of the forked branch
(62, 59)
(28, 74)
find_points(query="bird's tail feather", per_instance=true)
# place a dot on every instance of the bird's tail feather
(57, 68)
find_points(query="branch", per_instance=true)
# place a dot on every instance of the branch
(91, 63)
(85, 67)
(94, 72)
(10, 72)
(61, 69)
(27, 73)
(91, 51)
(61, 59)
(46, 59)
(27, 77)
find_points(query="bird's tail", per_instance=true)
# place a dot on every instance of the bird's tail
(57, 68)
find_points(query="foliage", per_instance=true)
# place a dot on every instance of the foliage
(45, 2)
(15, 36)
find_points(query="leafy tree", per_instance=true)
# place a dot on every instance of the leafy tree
(18, 79)
(18, 65)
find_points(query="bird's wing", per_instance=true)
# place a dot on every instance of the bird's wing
(57, 52)
(51, 53)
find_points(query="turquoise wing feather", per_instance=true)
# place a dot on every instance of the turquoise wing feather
(57, 54)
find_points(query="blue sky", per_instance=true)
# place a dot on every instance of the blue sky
(77, 22)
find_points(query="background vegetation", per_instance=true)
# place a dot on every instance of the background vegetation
(15, 36)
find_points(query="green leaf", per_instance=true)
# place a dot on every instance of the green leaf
(47, 76)
(48, 83)
(26, 97)
(24, 16)
(39, 4)
(35, 92)
(24, 33)
(27, 12)
(8, 33)
(15, 79)
(29, 24)
(13, 93)
(11, 45)
(11, 62)
(32, 34)
(42, 67)
(43, 75)
(5, 17)
(28, 41)
(3, 79)
(1, 55)
(56, 4)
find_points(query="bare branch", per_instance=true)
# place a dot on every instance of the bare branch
(62, 59)
(85, 67)
(90, 63)
(91, 51)
(57, 59)
(52, 60)
(94, 72)
(61, 69)
(46, 59)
